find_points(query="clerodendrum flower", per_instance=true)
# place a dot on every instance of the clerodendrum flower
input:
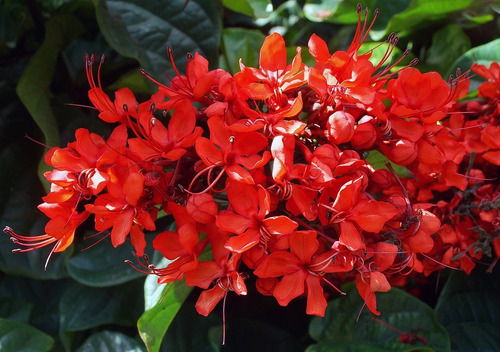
(269, 171)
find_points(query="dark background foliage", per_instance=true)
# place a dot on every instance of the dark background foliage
(89, 300)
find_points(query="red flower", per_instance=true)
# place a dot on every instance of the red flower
(248, 218)
(297, 267)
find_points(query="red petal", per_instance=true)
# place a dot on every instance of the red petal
(133, 187)
(289, 287)
(138, 240)
(318, 49)
(378, 282)
(278, 264)
(231, 222)
(350, 236)
(372, 215)
(304, 244)
(241, 243)
(182, 122)
(273, 53)
(204, 274)
(316, 302)
(208, 300)
(121, 227)
(280, 225)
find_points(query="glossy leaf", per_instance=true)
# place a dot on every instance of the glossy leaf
(109, 341)
(240, 43)
(143, 29)
(154, 322)
(103, 265)
(483, 55)
(84, 307)
(15, 336)
(469, 308)
(339, 330)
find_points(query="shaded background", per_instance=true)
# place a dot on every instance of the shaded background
(90, 300)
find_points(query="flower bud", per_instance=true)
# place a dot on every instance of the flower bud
(340, 127)
(364, 136)
(403, 152)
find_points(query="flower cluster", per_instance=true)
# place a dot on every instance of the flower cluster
(268, 170)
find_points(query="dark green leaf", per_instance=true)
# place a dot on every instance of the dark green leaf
(34, 86)
(388, 9)
(109, 341)
(142, 30)
(447, 44)
(154, 322)
(189, 332)
(469, 308)
(43, 296)
(339, 330)
(13, 309)
(103, 265)
(245, 335)
(84, 307)
(241, 43)
(15, 336)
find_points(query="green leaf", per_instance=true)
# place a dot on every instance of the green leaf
(143, 29)
(84, 307)
(109, 341)
(252, 8)
(154, 322)
(103, 265)
(42, 296)
(469, 308)
(482, 55)
(15, 336)
(447, 44)
(339, 330)
(153, 291)
(241, 43)
(379, 160)
(34, 85)
(132, 80)
(419, 13)
(190, 332)
(13, 309)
